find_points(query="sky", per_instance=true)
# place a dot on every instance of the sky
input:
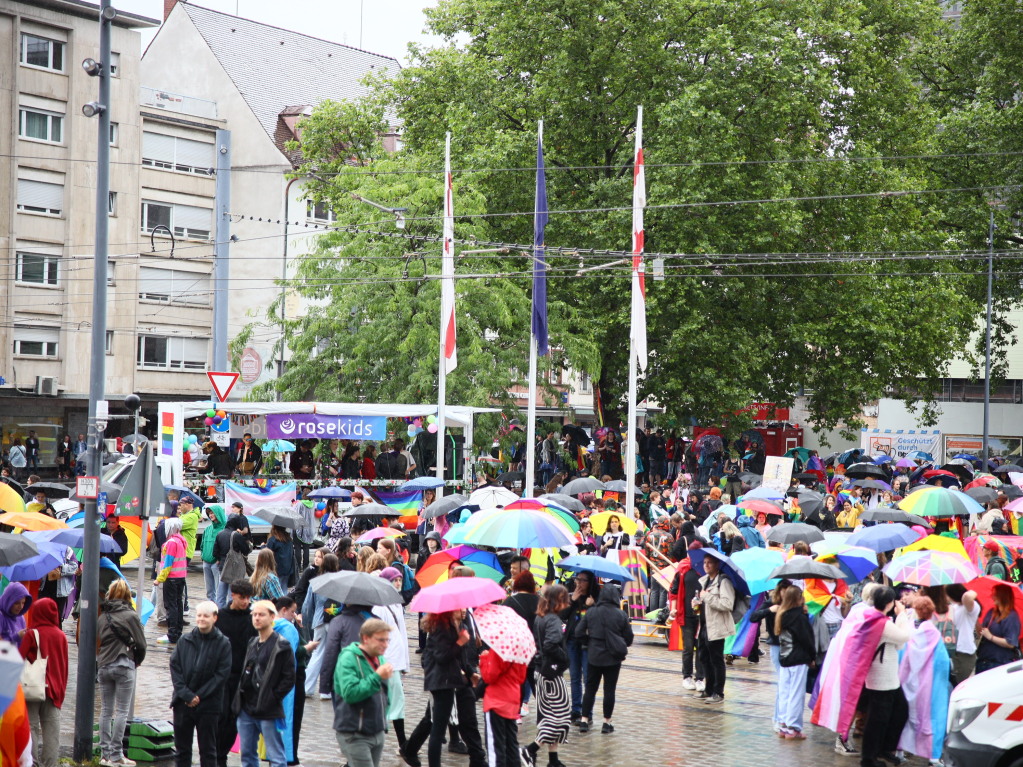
(388, 26)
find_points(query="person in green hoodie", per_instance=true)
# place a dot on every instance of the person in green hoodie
(210, 567)
(360, 703)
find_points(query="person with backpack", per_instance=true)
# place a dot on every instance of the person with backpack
(392, 464)
(714, 602)
(122, 648)
(797, 651)
(607, 633)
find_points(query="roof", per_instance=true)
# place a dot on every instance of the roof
(91, 11)
(274, 68)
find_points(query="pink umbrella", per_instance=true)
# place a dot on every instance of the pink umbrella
(506, 632)
(456, 594)
(379, 532)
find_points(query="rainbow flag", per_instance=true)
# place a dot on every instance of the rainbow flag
(742, 642)
(251, 498)
(817, 594)
(167, 433)
(405, 502)
(634, 591)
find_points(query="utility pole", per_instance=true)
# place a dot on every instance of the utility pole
(987, 339)
(85, 699)
(221, 249)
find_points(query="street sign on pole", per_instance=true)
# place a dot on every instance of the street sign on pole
(222, 383)
(88, 487)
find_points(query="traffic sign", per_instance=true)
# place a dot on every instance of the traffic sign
(87, 487)
(222, 383)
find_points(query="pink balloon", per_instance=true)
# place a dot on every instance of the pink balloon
(432, 428)
(208, 421)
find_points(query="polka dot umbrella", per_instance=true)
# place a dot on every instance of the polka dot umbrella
(506, 632)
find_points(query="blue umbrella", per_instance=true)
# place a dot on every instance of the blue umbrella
(966, 457)
(757, 565)
(765, 493)
(279, 446)
(331, 492)
(884, 537)
(850, 456)
(75, 538)
(919, 455)
(883, 459)
(602, 568)
(50, 556)
(183, 491)
(423, 483)
(731, 570)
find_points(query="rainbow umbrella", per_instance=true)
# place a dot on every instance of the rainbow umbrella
(548, 507)
(1009, 548)
(753, 506)
(484, 563)
(939, 502)
(522, 529)
(133, 531)
(857, 562)
(817, 594)
(984, 480)
(31, 520)
(10, 500)
(379, 532)
(937, 543)
(930, 568)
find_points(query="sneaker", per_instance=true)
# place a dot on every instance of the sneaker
(607, 728)
(729, 659)
(715, 699)
(457, 747)
(126, 762)
(844, 748)
(584, 726)
(324, 696)
(165, 640)
(701, 695)
(575, 719)
(410, 759)
(701, 685)
(794, 734)
(688, 683)
(524, 711)
(893, 758)
(108, 763)
(526, 758)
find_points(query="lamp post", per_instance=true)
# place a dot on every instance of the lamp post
(987, 337)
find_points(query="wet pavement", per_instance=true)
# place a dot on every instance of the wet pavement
(656, 721)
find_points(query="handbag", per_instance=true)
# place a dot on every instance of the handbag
(235, 565)
(33, 675)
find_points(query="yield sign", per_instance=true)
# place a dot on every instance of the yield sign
(222, 383)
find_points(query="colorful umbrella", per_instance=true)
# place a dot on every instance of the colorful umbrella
(939, 502)
(985, 587)
(549, 507)
(456, 594)
(506, 632)
(379, 532)
(756, 564)
(1009, 548)
(601, 520)
(523, 529)
(884, 537)
(817, 594)
(905, 463)
(857, 562)
(937, 543)
(764, 493)
(599, 566)
(754, 506)
(75, 538)
(731, 570)
(132, 527)
(31, 520)
(10, 500)
(484, 563)
(984, 480)
(50, 556)
(930, 568)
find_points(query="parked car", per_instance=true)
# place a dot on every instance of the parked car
(985, 720)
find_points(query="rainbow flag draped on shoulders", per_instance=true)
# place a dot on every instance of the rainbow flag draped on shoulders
(742, 642)
(923, 671)
(404, 502)
(251, 498)
(845, 667)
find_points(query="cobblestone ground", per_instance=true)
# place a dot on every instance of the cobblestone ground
(656, 721)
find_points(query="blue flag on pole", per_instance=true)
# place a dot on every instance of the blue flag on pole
(539, 257)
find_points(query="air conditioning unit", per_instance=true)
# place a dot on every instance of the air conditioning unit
(46, 386)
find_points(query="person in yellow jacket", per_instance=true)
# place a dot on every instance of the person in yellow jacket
(849, 516)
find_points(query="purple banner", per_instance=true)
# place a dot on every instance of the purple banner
(308, 425)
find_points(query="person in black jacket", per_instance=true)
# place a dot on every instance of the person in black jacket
(768, 611)
(797, 651)
(114, 530)
(342, 630)
(234, 622)
(199, 667)
(234, 535)
(584, 590)
(268, 674)
(606, 631)
(689, 583)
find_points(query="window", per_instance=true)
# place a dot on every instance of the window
(173, 153)
(173, 285)
(111, 203)
(115, 64)
(584, 383)
(111, 277)
(36, 341)
(41, 126)
(172, 353)
(36, 269)
(40, 192)
(113, 134)
(319, 211)
(108, 344)
(183, 220)
(42, 52)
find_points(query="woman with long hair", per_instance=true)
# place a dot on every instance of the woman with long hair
(885, 703)
(265, 583)
(315, 617)
(553, 704)
(586, 540)
(45, 639)
(122, 648)
(283, 548)
(369, 462)
(362, 558)
(345, 556)
(615, 537)
(999, 631)
(350, 462)
(797, 652)
(338, 527)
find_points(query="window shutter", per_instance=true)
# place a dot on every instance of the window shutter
(194, 154)
(157, 147)
(192, 218)
(37, 194)
(154, 282)
(43, 335)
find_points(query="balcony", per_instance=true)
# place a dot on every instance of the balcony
(175, 102)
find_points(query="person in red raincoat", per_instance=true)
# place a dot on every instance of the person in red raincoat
(685, 623)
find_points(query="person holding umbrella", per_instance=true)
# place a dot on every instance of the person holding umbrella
(999, 631)
(714, 602)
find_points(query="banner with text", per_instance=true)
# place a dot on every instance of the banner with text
(310, 425)
(898, 442)
(778, 473)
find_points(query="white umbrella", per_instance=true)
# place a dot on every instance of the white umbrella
(491, 497)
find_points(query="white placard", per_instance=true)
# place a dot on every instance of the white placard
(87, 487)
(778, 472)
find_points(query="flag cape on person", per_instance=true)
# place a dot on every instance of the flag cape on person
(11, 665)
(675, 641)
(405, 502)
(742, 642)
(634, 591)
(923, 671)
(447, 270)
(253, 497)
(16, 733)
(1009, 548)
(817, 595)
(845, 667)
(539, 257)
(638, 319)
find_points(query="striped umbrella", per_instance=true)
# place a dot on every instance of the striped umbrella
(939, 502)
(484, 563)
(930, 568)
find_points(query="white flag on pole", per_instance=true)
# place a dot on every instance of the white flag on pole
(638, 322)
(447, 283)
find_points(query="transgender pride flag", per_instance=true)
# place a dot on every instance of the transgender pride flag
(252, 498)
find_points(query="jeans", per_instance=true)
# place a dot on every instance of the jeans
(887, 712)
(250, 729)
(776, 664)
(791, 700)
(712, 654)
(692, 665)
(593, 677)
(312, 671)
(211, 574)
(173, 592)
(117, 683)
(223, 594)
(361, 750)
(205, 725)
(577, 663)
(45, 721)
(658, 596)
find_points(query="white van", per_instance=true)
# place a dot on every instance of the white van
(985, 720)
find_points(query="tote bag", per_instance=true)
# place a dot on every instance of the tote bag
(33, 675)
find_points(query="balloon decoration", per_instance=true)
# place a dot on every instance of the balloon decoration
(217, 420)
(432, 428)
(412, 431)
(431, 419)
(222, 413)
(211, 492)
(210, 413)
(208, 420)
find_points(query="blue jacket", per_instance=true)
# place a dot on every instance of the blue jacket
(750, 533)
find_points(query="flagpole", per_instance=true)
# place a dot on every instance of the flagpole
(638, 314)
(531, 413)
(446, 284)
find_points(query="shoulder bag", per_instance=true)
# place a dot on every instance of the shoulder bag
(33, 675)
(235, 565)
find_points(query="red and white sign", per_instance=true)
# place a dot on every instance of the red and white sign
(87, 487)
(1005, 711)
(222, 383)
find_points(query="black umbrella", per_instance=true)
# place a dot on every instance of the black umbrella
(564, 501)
(865, 471)
(442, 506)
(1011, 492)
(709, 442)
(1005, 469)
(961, 468)
(18, 487)
(281, 516)
(511, 476)
(788, 533)
(371, 510)
(350, 588)
(805, 567)
(52, 489)
(806, 476)
(579, 435)
(582, 485)
(15, 548)
(830, 460)
(983, 494)
(616, 485)
(809, 501)
(751, 479)
(893, 515)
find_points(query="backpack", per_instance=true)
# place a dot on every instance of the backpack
(387, 465)
(740, 606)
(949, 633)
